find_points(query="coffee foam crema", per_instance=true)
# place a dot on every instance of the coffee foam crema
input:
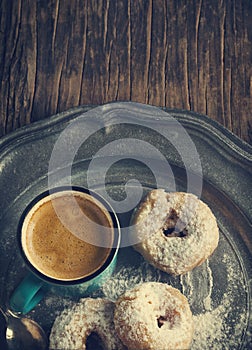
(67, 235)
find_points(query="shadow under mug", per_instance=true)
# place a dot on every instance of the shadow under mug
(36, 283)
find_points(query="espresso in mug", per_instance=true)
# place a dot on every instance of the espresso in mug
(67, 236)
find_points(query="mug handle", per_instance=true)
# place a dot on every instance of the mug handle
(27, 294)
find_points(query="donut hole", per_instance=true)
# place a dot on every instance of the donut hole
(94, 342)
(173, 232)
(169, 319)
(171, 229)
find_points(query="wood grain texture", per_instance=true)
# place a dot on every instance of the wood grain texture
(195, 55)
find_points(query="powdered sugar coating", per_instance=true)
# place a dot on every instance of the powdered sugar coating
(172, 254)
(154, 316)
(72, 327)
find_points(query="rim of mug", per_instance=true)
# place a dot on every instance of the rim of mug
(113, 250)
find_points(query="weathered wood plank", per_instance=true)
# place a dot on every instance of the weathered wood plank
(195, 55)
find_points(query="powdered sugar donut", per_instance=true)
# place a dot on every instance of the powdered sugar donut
(176, 231)
(154, 316)
(73, 326)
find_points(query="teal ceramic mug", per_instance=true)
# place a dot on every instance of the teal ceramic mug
(69, 238)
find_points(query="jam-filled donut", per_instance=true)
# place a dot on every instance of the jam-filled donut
(74, 325)
(154, 316)
(176, 231)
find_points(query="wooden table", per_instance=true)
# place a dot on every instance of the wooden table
(194, 55)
